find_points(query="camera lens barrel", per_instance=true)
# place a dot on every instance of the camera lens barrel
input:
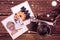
(43, 28)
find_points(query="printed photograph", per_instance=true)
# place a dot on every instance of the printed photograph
(14, 26)
(24, 12)
(16, 23)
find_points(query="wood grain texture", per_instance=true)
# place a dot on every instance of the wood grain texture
(39, 7)
(31, 37)
(25, 0)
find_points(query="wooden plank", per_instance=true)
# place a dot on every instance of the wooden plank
(38, 37)
(25, 0)
(2, 29)
(39, 6)
(31, 37)
(52, 37)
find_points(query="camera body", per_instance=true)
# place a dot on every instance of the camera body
(41, 27)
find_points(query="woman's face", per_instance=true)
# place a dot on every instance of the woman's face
(11, 26)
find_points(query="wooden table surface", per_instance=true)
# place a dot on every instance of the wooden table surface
(38, 7)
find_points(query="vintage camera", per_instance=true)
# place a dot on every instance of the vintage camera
(40, 26)
(44, 27)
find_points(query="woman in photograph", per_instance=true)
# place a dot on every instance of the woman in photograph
(11, 27)
(17, 19)
(18, 22)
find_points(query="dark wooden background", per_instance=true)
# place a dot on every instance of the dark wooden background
(38, 7)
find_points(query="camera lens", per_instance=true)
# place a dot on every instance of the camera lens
(43, 28)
